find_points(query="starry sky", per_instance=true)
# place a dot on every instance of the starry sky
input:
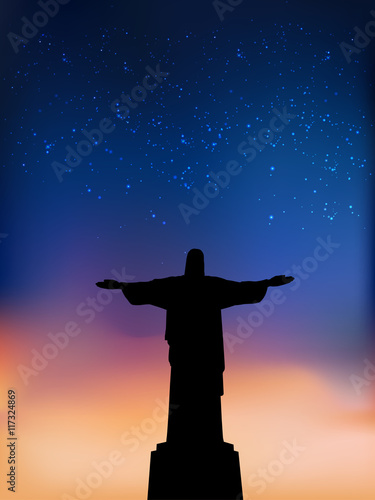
(132, 133)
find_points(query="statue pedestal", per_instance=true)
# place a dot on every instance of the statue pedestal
(195, 472)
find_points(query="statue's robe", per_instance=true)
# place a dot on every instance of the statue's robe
(195, 337)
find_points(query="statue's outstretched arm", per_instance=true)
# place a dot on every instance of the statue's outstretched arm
(280, 280)
(235, 293)
(111, 284)
(140, 293)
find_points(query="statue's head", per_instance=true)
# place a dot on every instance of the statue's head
(194, 267)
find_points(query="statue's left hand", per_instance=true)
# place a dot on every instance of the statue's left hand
(109, 284)
(280, 280)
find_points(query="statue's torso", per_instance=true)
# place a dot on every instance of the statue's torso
(194, 327)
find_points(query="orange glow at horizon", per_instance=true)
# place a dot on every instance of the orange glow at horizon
(106, 412)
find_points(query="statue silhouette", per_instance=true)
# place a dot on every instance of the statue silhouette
(195, 462)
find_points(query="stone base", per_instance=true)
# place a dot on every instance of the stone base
(195, 473)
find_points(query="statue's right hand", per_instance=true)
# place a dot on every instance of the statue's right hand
(280, 280)
(109, 284)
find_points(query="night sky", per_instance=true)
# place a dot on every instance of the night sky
(135, 131)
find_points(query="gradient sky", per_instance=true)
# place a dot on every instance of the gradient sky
(301, 203)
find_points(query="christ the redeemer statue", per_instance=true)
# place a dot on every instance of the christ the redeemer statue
(195, 462)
